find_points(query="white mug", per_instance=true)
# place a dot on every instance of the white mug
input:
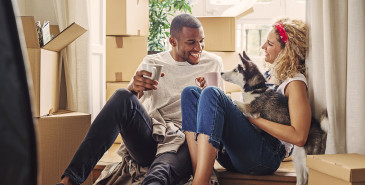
(211, 79)
(155, 69)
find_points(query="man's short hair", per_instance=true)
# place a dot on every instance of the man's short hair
(183, 20)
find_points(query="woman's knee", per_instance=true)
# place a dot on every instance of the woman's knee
(190, 91)
(212, 91)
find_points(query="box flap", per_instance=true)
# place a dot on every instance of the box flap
(348, 167)
(63, 39)
(54, 29)
(240, 9)
(30, 32)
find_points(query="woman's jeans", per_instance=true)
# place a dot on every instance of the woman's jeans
(247, 150)
(124, 114)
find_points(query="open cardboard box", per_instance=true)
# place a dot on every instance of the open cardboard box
(44, 64)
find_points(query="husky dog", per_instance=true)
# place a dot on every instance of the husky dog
(260, 101)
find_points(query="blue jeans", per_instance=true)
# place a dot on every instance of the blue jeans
(247, 150)
(124, 114)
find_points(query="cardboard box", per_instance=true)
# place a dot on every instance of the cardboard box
(59, 136)
(220, 33)
(44, 64)
(124, 54)
(127, 17)
(111, 87)
(230, 61)
(336, 169)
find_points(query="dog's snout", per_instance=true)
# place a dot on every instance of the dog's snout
(222, 73)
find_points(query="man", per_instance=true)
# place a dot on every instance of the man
(148, 113)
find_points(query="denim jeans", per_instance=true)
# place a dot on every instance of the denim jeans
(246, 149)
(124, 114)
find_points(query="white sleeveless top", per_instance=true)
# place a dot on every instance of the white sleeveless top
(281, 89)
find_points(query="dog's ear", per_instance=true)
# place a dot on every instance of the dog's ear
(244, 61)
(244, 55)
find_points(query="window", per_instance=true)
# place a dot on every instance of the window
(252, 29)
(250, 37)
(224, 2)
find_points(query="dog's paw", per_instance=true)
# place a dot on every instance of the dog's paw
(240, 106)
(255, 115)
(238, 103)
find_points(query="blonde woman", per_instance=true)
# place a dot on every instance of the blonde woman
(211, 121)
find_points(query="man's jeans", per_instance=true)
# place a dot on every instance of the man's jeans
(247, 150)
(124, 114)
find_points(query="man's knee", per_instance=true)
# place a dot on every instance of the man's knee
(123, 95)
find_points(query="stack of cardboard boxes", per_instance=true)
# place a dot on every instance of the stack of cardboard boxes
(59, 133)
(127, 29)
(220, 39)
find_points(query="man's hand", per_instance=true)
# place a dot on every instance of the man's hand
(200, 82)
(141, 83)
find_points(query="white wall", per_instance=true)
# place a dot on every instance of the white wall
(264, 13)
(42, 10)
(21, 6)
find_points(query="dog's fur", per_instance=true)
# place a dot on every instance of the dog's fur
(260, 101)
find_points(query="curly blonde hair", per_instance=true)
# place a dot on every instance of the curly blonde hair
(291, 59)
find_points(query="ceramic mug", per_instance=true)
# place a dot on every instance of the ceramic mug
(211, 79)
(155, 69)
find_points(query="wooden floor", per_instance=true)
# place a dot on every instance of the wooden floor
(285, 175)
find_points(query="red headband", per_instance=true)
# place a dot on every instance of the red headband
(282, 33)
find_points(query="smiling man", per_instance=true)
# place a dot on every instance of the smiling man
(148, 115)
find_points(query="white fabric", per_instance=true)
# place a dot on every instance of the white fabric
(75, 56)
(281, 89)
(282, 86)
(336, 70)
(164, 104)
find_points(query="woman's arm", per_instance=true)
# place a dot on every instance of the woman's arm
(300, 116)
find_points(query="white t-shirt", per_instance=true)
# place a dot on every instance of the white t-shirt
(281, 89)
(164, 104)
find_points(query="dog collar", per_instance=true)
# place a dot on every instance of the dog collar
(255, 87)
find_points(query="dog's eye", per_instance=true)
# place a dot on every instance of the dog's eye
(235, 70)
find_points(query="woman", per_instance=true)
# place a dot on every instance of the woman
(216, 129)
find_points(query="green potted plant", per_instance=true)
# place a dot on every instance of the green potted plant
(160, 13)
